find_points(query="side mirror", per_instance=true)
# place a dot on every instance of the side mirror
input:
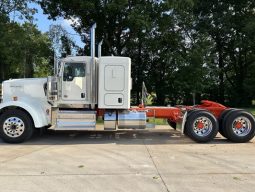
(68, 78)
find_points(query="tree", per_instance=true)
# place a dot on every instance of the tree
(177, 47)
(62, 43)
(20, 8)
(228, 24)
(25, 49)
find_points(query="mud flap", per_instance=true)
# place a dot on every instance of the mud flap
(181, 124)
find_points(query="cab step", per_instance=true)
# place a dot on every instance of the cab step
(75, 120)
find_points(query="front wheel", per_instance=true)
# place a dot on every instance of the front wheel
(201, 126)
(16, 126)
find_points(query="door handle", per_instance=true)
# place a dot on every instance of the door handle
(83, 95)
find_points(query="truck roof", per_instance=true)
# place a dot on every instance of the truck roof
(76, 58)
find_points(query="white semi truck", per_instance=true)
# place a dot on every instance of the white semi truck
(85, 87)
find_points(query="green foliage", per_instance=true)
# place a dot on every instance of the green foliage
(23, 51)
(62, 43)
(18, 8)
(23, 48)
(252, 110)
(177, 47)
(229, 25)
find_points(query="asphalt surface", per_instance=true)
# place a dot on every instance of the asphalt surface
(126, 161)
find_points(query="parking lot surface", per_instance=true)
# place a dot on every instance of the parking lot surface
(126, 161)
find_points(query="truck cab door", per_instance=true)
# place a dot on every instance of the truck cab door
(74, 82)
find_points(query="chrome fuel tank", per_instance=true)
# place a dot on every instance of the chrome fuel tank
(131, 120)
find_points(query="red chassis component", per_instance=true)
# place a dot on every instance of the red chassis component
(215, 108)
(175, 114)
(172, 113)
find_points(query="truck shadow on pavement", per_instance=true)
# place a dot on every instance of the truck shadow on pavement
(155, 137)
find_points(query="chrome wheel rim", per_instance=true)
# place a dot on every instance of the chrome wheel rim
(13, 127)
(202, 126)
(241, 126)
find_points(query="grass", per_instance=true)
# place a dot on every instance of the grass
(150, 120)
(158, 121)
(100, 120)
(252, 110)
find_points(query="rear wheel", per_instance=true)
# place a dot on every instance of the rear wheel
(16, 126)
(240, 126)
(201, 126)
(221, 119)
(195, 110)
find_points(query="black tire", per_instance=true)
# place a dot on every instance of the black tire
(171, 123)
(194, 110)
(223, 121)
(12, 122)
(194, 132)
(174, 125)
(240, 135)
(221, 118)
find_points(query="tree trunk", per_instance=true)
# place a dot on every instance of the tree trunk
(221, 87)
(160, 94)
(2, 78)
(242, 95)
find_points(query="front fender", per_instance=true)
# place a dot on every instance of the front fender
(36, 110)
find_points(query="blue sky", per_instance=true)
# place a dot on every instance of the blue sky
(43, 24)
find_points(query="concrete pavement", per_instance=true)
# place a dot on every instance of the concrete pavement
(126, 161)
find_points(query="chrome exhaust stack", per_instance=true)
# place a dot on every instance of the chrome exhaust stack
(93, 76)
(92, 40)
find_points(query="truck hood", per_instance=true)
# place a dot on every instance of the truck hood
(30, 88)
(26, 80)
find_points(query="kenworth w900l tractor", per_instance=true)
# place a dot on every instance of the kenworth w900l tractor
(85, 87)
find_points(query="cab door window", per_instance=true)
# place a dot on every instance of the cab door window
(72, 70)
